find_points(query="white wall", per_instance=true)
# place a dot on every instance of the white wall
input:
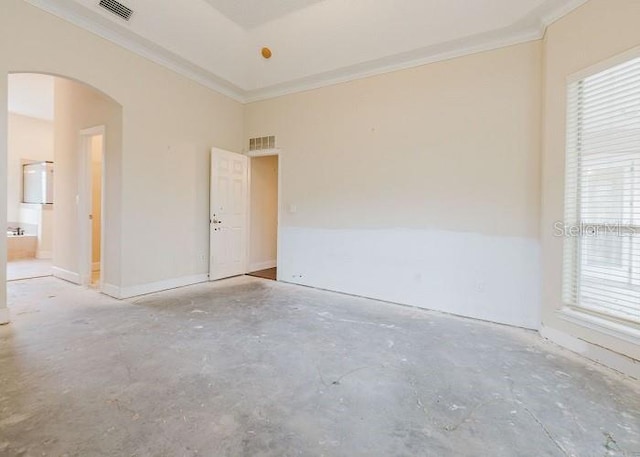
(594, 32)
(420, 186)
(169, 124)
(28, 139)
(31, 94)
(264, 213)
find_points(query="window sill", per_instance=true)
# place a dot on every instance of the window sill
(609, 326)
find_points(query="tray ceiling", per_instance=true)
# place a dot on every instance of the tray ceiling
(314, 42)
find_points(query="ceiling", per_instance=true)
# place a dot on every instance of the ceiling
(31, 95)
(252, 13)
(314, 42)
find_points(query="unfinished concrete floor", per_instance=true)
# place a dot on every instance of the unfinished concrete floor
(250, 367)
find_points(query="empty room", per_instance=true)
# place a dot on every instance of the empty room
(320, 228)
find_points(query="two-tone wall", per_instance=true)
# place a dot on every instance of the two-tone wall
(420, 186)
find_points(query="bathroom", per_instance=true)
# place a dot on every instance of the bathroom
(30, 171)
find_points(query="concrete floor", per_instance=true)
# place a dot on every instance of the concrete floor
(250, 367)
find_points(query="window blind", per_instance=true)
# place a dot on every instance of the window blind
(602, 193)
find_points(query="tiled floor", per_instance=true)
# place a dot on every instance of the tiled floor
(28, 268)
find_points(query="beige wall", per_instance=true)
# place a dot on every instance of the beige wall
(451, 145)
(264, 212)
(79, 107)
(28, 139)
(169, 123)
(594, 32)
(395, 186)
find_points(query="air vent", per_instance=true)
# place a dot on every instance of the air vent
(264, 142)
(117, 8)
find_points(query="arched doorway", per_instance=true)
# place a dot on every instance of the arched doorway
(60, 167)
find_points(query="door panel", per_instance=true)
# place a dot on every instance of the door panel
(228, 214)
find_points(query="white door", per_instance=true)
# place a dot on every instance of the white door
(228, 214)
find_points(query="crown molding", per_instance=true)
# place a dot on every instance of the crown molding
(561, 11)
(104, 28)
(529, 28)
(412, 59)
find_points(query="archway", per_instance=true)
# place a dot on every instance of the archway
(63, 179)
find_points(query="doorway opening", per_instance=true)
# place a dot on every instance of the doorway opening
(30, 166)
(263, 217)
(62, 137)
(244, 213)
(91, 203)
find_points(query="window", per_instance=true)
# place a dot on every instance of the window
(602, 193)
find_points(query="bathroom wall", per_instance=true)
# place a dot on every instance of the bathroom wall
(28, 139)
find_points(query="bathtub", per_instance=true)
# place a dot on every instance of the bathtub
(21, 246)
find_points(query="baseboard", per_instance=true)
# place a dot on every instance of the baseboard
(143, 289)
(66, 275)
(618, 362)
(111, 290)
(4, 316)
(257, 266)
(44, 254)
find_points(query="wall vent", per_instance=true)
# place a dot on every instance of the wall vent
(117, 8)
(263, 142)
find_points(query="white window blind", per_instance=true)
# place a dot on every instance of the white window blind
(602, 199)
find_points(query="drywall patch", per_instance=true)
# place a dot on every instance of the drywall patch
(495, 278)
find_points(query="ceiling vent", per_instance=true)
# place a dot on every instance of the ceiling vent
(264, 142)
(117, 8)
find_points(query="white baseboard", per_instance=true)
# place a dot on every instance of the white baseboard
(44, 255)
(4, 316)
(618, 362)
(111, 290)
(143, 289)
(257, 266)
(66, 275)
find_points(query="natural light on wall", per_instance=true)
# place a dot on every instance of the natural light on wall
(602, 199)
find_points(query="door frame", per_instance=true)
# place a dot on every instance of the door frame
(84, 198)
(265, 153)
